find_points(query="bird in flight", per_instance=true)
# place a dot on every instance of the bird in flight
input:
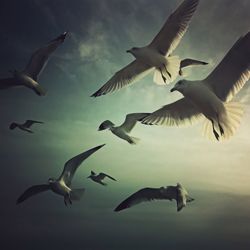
(123, 130)
(157, 55)
(178, 193)
(100, 177)
(24, 126)
(62, 185)
(29, 76)
(211, 97)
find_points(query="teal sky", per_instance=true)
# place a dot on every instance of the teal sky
(216, 174)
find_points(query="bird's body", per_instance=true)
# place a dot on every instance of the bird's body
(178, 193)
(123, 130)
(98, 178)
(29, 76)
(211, 97)
(157, 56)
(62, 185)
(24, 126)
(59, 187)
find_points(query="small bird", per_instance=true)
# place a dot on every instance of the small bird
(123, 130)
(62, 185)
(99, 177)
(211, 98)
(178, 193)
(25, 126)
(29, 76)
(157, 55)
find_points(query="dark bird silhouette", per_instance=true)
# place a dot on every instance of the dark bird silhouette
(25, 126)
(29, 76)
(100, 177)
(177, 193)
(62, 185)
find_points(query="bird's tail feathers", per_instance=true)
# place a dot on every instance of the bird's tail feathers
(229, 121)
(133, 140)
(76, 194)
(170, 71)
(40, 90)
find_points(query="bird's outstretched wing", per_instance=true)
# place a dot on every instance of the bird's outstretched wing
(103, 175)
(177, 113)
(33, 191)
(145, 194)
(191, 62)
(29, 123)
(10, 82)
(174, 28)
(71, 165)
(40, 57)
(233, 71)
(132, 72)
(131, 120)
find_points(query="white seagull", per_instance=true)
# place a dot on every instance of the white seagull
(62, 185)
(123, 130)
(24, 126)
(157, 55)
(29, 76)
(211, 97)
(100, 177)
(178, 193)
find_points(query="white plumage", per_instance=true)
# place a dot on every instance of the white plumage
(211, 97)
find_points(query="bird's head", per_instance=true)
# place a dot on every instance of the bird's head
(92, 173)
(133, 51)
(12, 126)
(106, 125)
(51, 180)
(180, 86)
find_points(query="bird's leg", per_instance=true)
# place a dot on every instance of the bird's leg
(65, 201)
(70, 201)
(214, 131)
(163, 77)
(166, 70)
(220, 127)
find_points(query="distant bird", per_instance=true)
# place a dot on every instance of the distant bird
(25, 126)
(157, 55)
(178, 193)
(123, 130)
(29, 76)
(210, 98)
(62, 185)
(99, 177)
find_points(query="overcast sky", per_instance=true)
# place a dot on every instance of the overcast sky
(216, 174)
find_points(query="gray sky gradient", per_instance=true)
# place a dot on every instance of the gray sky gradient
(216, 174)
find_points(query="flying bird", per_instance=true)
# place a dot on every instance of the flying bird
(178, 193)
(157, 55)
(62, 185)
(100, 177)
(211, 97)
(123, 130)
(24, 126)
(29, 76)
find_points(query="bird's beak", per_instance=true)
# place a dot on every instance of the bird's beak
(128, 51)
(173, 89)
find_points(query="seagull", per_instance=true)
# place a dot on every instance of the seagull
(157, 55)
(123, 130)
(178, 193)
(99, 177)
(211, 98)
(62, 185)
(29, 76)
(25, 126)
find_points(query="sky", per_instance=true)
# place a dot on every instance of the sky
(215, 174)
